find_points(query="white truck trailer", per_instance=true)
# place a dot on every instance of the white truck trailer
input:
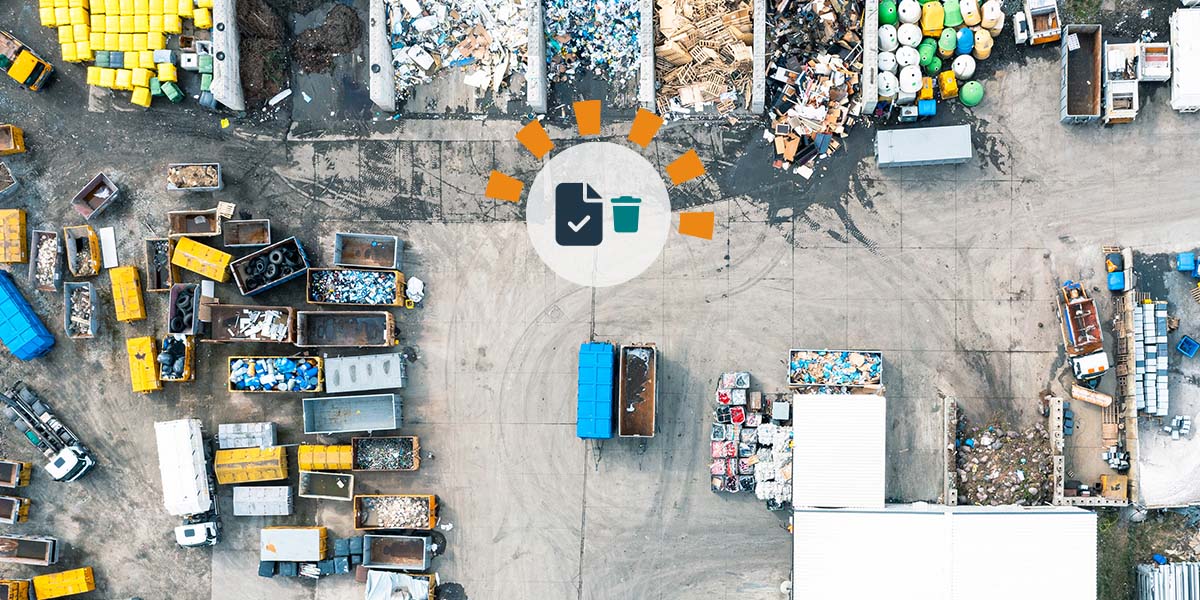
(183, 461)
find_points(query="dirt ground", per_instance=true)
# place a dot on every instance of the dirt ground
(1123, 545)
(313, 50)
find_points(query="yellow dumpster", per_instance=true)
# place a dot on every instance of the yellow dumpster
(325, 458)
(127, 294)
(66, 583)
(14, 589)
(143, 369)
(250, 464)
(12, 140)
(14, 244)
(205, 260)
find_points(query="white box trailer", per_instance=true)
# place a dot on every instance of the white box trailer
(364, 373)
(1185, 64)
(183, 465)
(262, 501)
(919, 146)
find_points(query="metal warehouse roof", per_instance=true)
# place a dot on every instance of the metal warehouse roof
(839, 452)
(933, 552)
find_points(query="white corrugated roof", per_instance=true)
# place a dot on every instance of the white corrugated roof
(933, 552)
(183, 467)
(1185, 58)
(839, 451)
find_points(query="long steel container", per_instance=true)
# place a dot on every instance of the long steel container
(315, 457)
(15, 473)
(56, 272)
(35, 550)
(269, 267)
(368, 452)
(345, 329)
(232, 323)
(345, 414)
(66, 583)
(160, 273)
(327, 486)
(243, 465)
(397, 552)
(300, 544)
(86, 329)
(262, 501)
(364, 373)
(367, 251)
(374, 511)
(315, 294)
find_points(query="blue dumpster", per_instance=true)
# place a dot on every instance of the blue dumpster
(20, 328)
(594, 419)
(1188, 347)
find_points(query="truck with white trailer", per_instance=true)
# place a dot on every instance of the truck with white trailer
(69, 459)
(187, 479)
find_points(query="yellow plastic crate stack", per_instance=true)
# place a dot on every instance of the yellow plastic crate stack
(133, 28)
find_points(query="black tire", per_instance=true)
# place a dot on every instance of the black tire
(272, 272)
(176, 324)
(276, 256)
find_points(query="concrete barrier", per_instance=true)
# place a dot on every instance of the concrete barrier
(535, 51)
(758, 76)
(869, 78)
(646, 75)
(382, 85)
(227, 76)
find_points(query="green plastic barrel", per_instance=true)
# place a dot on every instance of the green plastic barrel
(887, 12)
(953, 13)
(928, 50)
(934, 67)
(948, 42)
(971, 93)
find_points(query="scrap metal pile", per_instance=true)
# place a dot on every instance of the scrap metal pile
(705, 53)
(274, 375)
(80, 323)
(397, 512)
(384, 454)
(812, 78)
(834, 370)
(997, 465)
(486, 39)
(259, 325)
(354, 287)
(598, 36)
(751, 442)
(46, 270)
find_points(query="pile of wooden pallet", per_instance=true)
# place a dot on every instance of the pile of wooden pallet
(704, 52)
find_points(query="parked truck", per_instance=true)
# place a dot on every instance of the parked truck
(327, 486)
(21, 331)
(14, 473)
(364, 373)
(345, 414)
(345, 329)
(1082, 83)
(1081, 331)
(23, 64)
(183, 458)
(395, 511)
(34, 550)
(243, 465)
(594, 416)
(68, 458)
(637, 390)
(65, 583)
(298, 544)
(397, 552)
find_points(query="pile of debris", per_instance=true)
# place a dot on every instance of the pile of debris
(258, 325)
(384, 454)
(274, 375)
(486, 39)
(193, 176)
(751, 442)
(996, 465)
(834, 370)
(46, 271)
(812, 78)
(80, 322)
(340, 33)
(264, 73)
(598, 36)
(353, 287)
(705, 55)
(396, 512)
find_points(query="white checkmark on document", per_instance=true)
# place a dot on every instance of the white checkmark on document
(575, 227)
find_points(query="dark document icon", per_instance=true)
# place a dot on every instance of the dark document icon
(578, 218)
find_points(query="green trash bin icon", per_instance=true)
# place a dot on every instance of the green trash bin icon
(625, 214)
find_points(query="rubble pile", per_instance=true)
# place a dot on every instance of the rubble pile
(80, 323)
(834, 370)
(996, 465)
(812, 78)
(47, 262)
(396, 512)
(274, 374)
(485, 39)
(384, 454)
(353, 287)
(705, 55)
(598, 36)
(258, 325)
(751, 442)
(193, 176)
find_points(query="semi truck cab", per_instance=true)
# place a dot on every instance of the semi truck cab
(69, 464)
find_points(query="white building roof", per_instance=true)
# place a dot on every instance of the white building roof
(183, 467)
(1185, 59)
(933, 552)
(839, 452)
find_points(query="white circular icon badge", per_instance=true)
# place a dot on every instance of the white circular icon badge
(598, 214)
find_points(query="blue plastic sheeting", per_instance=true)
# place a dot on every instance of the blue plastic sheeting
(20, 328)
(595, 417)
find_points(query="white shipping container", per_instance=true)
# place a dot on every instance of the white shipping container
(183, 466)
(262, 501)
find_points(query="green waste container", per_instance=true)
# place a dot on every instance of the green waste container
(626, 212)
(172, 91)
(887, 12)
(971, 93)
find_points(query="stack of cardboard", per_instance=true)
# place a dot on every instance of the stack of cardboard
(813, 79)
(705, 53)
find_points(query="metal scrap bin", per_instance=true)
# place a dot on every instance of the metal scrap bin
(13, 237)
(53, 258)
(160, 273)
(246, 233)
(316, 361)
(318, 294)
(83, 250)
(66, 583)
(96, 196)
(182, 309)
(368, 451)
(326, 486)
(8, 182)
(189, 357)
(12, 140)
(367, 251)
(372, 511)
(226, 320)
(262, 501)
(192, 177)
(194, 223)
(242, 465)
(269, 267)
(84, 327)
(324, 458)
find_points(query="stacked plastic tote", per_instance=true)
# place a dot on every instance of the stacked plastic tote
(1150, 356)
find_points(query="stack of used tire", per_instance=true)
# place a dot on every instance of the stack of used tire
(275, 265)
(925, 44)
(183, 312)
